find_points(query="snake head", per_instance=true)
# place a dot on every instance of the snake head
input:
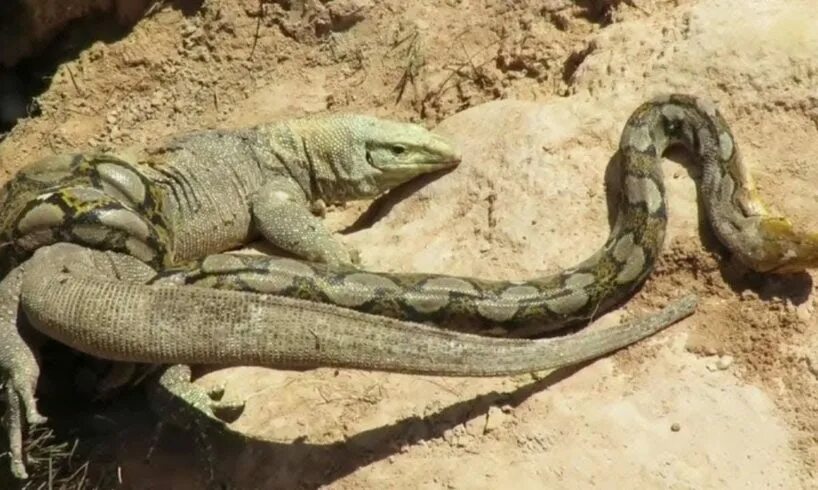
(783, 249)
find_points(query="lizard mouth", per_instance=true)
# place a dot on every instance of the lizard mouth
(431, 165)
(421, 166)
(400, 173)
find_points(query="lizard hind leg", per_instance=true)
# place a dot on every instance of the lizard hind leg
(19, 371)
(180, 403)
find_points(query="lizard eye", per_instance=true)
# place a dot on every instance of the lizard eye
(369, 158)
(398, 149)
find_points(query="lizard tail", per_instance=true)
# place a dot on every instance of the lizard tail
(124, 321)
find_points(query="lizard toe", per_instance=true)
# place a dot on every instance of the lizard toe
(13, 423)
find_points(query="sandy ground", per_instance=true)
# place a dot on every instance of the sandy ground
(725, 399)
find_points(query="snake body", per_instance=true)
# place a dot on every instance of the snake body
(108, 202)
(543, 304)
(177, 206)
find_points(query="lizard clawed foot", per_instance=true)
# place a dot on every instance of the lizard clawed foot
(177, 401)
(175, 398)
(336, 254)
(20, 403)
(19, 371)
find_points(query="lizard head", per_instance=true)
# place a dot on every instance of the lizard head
(360, 157)
(399, 152)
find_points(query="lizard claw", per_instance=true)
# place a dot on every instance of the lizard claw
(337, 254)
(19, 371)
(19, 402)
(177, 400)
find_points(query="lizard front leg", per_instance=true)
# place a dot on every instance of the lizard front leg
(19, 369)
(282, 215)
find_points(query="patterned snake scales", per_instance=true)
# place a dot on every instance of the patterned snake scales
(518, 309)
(762, 242)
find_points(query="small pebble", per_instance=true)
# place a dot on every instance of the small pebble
(724, 362)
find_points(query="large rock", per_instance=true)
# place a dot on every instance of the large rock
(530, 198)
